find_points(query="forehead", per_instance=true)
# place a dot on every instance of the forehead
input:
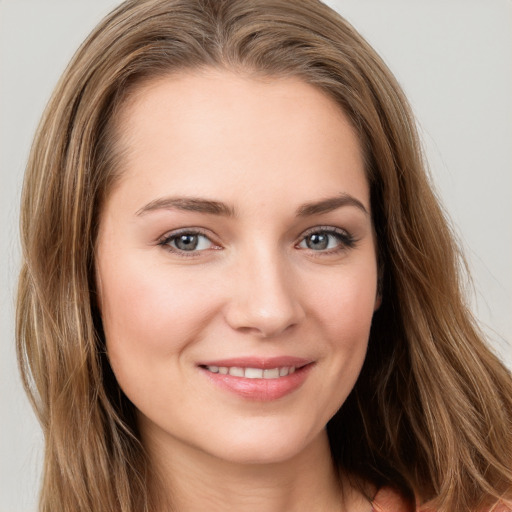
(194, 133)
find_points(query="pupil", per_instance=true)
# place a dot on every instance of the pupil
(186, 242)
(318, 241)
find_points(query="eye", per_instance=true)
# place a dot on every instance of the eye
(327, 239)
(187, 241)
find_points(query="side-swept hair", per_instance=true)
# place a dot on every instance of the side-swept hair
(431, 412)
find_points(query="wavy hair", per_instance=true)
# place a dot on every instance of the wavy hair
(431, 412)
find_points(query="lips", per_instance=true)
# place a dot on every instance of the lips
(256, 378)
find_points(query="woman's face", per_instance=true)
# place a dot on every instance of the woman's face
(236, 263)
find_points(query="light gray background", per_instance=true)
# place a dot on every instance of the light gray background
(454, 60)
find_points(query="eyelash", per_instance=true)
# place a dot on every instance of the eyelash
(169, 238)
(345, 240)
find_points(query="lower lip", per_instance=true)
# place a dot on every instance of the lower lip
(262, 390)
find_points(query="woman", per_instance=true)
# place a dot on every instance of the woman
(238, 289)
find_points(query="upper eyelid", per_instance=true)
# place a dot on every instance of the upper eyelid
(181, 231)
(325, 229)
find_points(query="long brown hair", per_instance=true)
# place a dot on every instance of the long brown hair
(431, 412)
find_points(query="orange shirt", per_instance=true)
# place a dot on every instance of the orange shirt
(389, 500)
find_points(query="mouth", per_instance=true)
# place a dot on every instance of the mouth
(252, 373)
(257, 379)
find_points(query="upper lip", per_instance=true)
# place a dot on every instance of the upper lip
(265, 363)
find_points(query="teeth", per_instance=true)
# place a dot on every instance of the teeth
(253, 373)
(236, 372)
(271, 374)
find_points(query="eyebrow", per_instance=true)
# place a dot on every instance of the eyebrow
(196, 204)
(330, 204)
(190, 204)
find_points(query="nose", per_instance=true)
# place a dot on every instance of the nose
(265, 300)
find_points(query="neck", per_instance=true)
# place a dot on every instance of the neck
(193, 480)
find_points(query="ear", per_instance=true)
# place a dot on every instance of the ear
(378, 301)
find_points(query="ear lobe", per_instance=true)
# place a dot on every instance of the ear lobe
(378, 302)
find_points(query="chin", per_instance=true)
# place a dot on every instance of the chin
(259, 445)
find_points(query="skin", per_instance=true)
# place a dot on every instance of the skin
(264, 148)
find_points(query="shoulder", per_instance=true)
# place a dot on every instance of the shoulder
(390, 500)
(503, 506)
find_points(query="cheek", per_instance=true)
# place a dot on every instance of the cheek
(149, 315)
(345, 301)
(344, 310)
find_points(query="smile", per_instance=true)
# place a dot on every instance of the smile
(258, 379)
(252, 373)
